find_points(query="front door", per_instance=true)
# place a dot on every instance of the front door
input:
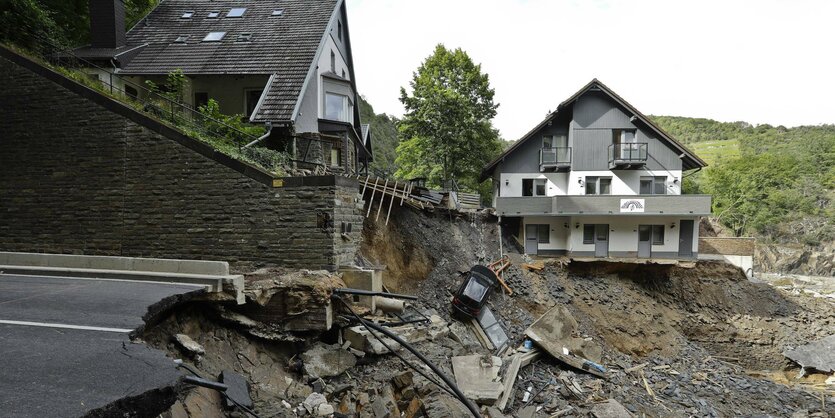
(531, 239)
(644, 241)
(685, 238)
(601, 240)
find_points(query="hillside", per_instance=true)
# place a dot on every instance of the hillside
(384, 138)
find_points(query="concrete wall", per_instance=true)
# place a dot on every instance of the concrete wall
(82, 174)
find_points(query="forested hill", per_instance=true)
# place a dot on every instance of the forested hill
(770, 181)
(383, 138)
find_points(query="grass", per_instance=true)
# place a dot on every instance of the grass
(715, 152)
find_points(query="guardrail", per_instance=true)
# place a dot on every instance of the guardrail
(627, 153)
(554, 157)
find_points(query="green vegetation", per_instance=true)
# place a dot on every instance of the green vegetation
(446, 132)
(383, 139)
(773, 182)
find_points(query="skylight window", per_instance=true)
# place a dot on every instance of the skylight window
(244, 37)
(213, 15)
(278, 12)
(181, 39)
(214, 36)
(187, 15)
(236, 12)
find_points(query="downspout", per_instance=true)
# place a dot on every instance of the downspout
(269, 126)
(501, 250)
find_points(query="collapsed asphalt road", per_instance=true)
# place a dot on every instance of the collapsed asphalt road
(64, 345)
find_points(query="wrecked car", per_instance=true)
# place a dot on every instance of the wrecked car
(474, 291)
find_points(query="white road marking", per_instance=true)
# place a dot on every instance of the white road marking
(65, 326)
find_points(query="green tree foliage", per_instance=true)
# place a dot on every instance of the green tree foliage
(383, 137)
(446, 132)
(779, 187)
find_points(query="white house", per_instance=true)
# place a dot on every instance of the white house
(598, 178)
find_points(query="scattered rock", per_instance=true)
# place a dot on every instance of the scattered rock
(819, 355)
(610, 409)
(325, 360)
(191, 347)
(238, 389)
(311, 404)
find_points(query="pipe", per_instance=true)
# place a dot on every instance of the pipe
(349, 291)
(469, 404)
(389, 304)
(262, 137)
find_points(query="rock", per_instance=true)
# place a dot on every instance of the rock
(818, 355)
(311, 404)
(324, 410)
(238, 389)
(610, 409)
(327, 360)
(402, 380)
(526, 412)
(191, 347)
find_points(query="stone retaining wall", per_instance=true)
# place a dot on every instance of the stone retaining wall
(83, 174)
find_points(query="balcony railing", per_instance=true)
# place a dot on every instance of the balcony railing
(559, 157)
(625, 205)
(629, 154)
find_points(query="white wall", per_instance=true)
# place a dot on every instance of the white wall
(324, 66)
(745, 262)
(624, 182)
(558, 237)
(623, 232)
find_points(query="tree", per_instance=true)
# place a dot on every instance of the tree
(446, 132)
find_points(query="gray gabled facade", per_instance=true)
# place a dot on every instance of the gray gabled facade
(598, 178)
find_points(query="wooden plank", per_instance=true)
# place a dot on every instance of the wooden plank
(391, 202)
(371, 200)
(482, 336)
(382, 196)
(509, 380)
(364, 185)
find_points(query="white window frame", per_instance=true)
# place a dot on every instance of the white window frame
(214, 38)
(240, 12)
(347, 107)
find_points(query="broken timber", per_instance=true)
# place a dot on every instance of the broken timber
(516, 363)
(392, 189)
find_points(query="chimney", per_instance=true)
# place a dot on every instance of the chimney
(107, 23)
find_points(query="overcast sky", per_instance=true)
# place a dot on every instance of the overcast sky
(758, 61)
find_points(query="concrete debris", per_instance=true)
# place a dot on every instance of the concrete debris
(238, 389)
(324, 410)
(294, 301)
(819, 355)
(312, 402)
(323, 360)
(191, 347)
(362, 340)
(478, 377)
(554, 332)
(610, 409)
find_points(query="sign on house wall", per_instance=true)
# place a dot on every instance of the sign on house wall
(632, 205)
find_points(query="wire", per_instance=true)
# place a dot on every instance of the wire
(368, 325)
(181, 363)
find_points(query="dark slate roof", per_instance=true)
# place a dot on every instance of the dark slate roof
(689, 161)
(283, 45)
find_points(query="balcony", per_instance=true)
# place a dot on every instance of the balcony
(630, 205)
(627, 155)
(554, 159)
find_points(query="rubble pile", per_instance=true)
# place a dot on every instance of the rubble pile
(600, 339)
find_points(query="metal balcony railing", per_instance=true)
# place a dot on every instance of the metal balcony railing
(630, 153)
(554, 157)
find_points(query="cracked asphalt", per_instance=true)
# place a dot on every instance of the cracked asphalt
(64, 346)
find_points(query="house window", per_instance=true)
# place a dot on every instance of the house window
(278, 12)
(244, 37)
(187, 15)
(598, 185)
(623, 136)
(236, 12)
(527, 187)
(539, 187)
(588, 234)
(339, 31)
(336, 157)
(337, 107)
(555, 141)
(658, 235)
(200, 99)
(333, 62)
(547, 141)
(251, 98)
(343, 73)
(653, 185)
(543, 233)
(213, 15)
(214, 36)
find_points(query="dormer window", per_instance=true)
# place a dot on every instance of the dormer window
(187, 15)
(337, 107)
(236, 12)
(213, 15)
(244, 37)
(214, 37)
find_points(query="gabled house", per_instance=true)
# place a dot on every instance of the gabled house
(283, 63)
(598, 178)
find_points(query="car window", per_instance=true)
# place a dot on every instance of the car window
(475, 290)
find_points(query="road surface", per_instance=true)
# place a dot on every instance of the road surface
(64, 346)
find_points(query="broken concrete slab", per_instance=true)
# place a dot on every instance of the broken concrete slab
(191, 347)
(554, 332)
(238, 389)
(324, 360)
(312, 402)
(518, 361)
(362, 340)
(818, 355)
(610, 409)
(478, 377)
